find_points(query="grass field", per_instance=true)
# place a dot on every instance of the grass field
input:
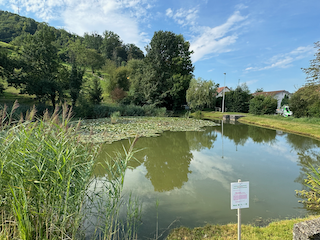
(304, 126)
(278, 230)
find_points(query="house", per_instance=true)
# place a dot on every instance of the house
(220, 91)
(279, 95)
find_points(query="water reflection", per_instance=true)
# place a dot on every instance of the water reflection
(241, 133)
(185, 171)
(167, 160)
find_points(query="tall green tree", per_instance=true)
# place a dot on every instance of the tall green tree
(133, 52)
(169, 69)
(75, 83)
(93, 41)
(95, 91)
(82, 56)
(136, 76)
(41, 73)
(119, 79)
(238, 100)
(7, 65)
(201, 94)
(110, 42)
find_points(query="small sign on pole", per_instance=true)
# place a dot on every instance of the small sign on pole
(239, 199)
(239, 195)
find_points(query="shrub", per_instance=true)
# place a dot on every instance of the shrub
(114, 116)
(95, 92)
(133, 110)
(260, 105)
(198, 114)
(305, 102)
(118, 94)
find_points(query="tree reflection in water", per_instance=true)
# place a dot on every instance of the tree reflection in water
(167, 159)
(240, 133)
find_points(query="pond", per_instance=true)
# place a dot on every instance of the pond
(183, 178)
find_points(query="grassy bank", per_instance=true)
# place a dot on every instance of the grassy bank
(304, 126)
(279, 230)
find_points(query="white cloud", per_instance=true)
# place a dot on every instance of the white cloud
(250, 82)
(216, 39)
(87, 17)
(183, 17)
(241, 6)
(169, 12)
(285, 60)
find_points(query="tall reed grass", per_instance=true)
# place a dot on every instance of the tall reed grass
(46, 179)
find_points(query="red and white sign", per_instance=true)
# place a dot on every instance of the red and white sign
(239, 195)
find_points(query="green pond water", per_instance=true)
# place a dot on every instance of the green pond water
(189, 174)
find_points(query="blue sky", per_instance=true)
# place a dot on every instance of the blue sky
(264, 43)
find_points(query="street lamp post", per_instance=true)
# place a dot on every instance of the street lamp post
(223, 92)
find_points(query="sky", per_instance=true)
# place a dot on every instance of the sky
(261, 43)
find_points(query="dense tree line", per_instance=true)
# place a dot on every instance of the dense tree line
(53, 65)
(12, 25)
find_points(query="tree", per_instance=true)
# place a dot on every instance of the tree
(95, 92)
(93, 59)
(136, 69)
(7, 65)
(118, 94)
(134, 52)
(84, 57)
(259, 90)
(201, 94)
(119, 79)
(306, 101)
(110, 42)
(169, 70)
(285, 100)
(41, 73)
(93, 41)
(75, 83)
(260, 105)
(119, 55)
(313, 72)
(238, 100)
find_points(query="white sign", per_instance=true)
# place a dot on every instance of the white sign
(239, 195)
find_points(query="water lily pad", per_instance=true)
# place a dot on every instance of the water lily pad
(103, 131)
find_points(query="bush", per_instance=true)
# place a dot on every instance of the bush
(305, 102)
(118, 94)
(238, 100)
(260, 105)
(133, 110)
(198, 114)
(115, 116)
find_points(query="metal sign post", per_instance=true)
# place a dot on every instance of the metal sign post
(239, 199)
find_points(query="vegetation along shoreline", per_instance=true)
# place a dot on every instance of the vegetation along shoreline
(309, 127)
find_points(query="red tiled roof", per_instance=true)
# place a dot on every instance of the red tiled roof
(219, 90)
